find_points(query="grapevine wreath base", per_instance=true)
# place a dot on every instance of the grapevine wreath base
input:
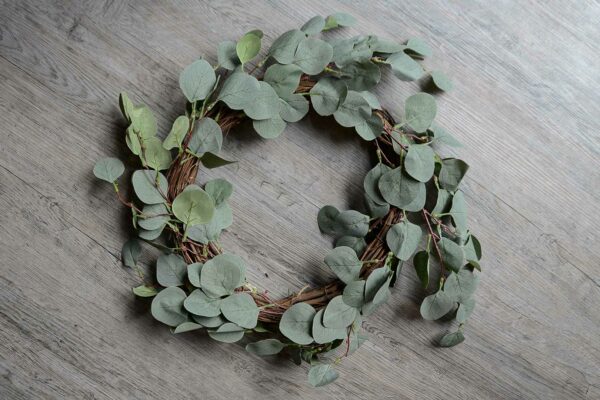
(415, 209)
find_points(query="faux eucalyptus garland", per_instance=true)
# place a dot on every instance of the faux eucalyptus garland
(415, 209)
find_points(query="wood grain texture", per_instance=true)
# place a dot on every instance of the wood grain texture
(526, 104)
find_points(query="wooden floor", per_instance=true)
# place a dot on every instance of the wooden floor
(526, 104)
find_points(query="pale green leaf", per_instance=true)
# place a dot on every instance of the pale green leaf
(371, 128)
(179, 130)
(248, 47)
(441, 81)
(327, 95)
(193, 273)
(313, 55)
(227, 333)
(344, 263)
(206, 137)
(227, 55)
(440, 135)
(284, 47)
(144, 291)
(419, 111)
(265, 104)
(354, 293)
(222, 274)
(266, 347)
(167, 306)
(418, 46)
(459, 211)
(219, 189)
(323, 334)
(404, 67)
(403, 239)
(269, 128)
(239, 90)
(321, 375)
(240, 309)
(150, 235)
(198, 303)
(171, 270)
(376, 210)
(461, 285)
(353, 111)
(375, 281)
(193, 206)
(130, 253)
(436, 306)
(151, 187)
(371, 99)
(293, 107)
(371, 182)
(209, 322)
(452, 339)
(338, 315)
(296, 323)
(313, 25)
(326, 218)
(452, 172)
(465, 309)
(197, 80)
(398, 189)
(109, 169)
(283, 78)
(357, 244)
(421, 264)
(187, 327)
(420, 162)
(361, 76)
(210, 232)
(452, 254)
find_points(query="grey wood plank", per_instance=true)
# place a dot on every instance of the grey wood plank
(525, 105)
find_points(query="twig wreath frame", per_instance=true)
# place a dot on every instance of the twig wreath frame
(200, 286)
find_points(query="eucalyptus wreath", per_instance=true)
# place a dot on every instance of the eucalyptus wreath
(415, 210)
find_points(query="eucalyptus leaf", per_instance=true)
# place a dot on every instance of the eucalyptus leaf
(436, 306)
(403, 239)
(440, 135)
(144, 291)
(248, 47)
(371, 128)
(461, 285)
(418, 46)
(227, 55)
(361, 76)
(197, 80)
(459, 211)
(326, 219)
(151, 187)
(284, 79)
(154, 216)
(239, 90)
(210, 232)
(421, 264)
(222, 274)
(340, 19)
(337, 314)
(357, 244)
(351, 223)
(109, 169)
(193, 273)
(354, 293)
(323, 334)
(227, 333)
(398, 189)
(328, 94)
(383, 294)
(420, 162)
(321, 375)
(371, 99)
(296, 323)
(313, 25)
(198, 303)
(126, 106)
(143, 122)
(419, 111)
(269, 128)
(313, 55)
(211, 160)
(130, 253)
(472, 248)
(371, 182)
(376, 210)
(441, 81)
(443, 202)
(150, 235)
(155, 156)
(344, 263)
(266, 347)
(386, 46)
(419, 201)
(452, 339)
(452, 172)
(404, 67)
(293, 107)
(206, 137)
(179, 130)
(265, 104)
(284, 47)
(452, 254)
(465, 309)
(187, 327)
(240, 309)
(167, 306)
(209, 322)
(353, 111)
(376, 279)
(219, 189)
(193, 206)
(171, 270)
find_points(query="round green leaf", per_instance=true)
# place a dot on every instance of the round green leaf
(313, 25)
(197, 80)
(239, 90)
(109, 169)
(403, 239)
(351, 223)
(452, 172)
(206, 137)
(219, 189)
(130, 252)
(452, 339)
(342, 19)
(155, 156)
(461, 285)
(151, 187)
(372, 180)
(222, 274)
(210, 232)
(154, 216)
(420, 162)
(344, 263)
(354, 294)
(143, 122)
(376, 279)
(441, 81)
(371, 128)
(436, 306)
(193, 206)
(313, 55)
(338, 315)
(126, 106)
(452, 254)
(240, 309)
(459, 211)
(327, 95)
(357, 244)
(353, 111)
(227, 55)
(209, 322)
(247, 47)
(171, 270)
(283, 78)
(227, 333)
(361, 75)
(321, 375)
(265, 104)
(193, 273)
(266, 347)
(383, 294)
(386, 46)
(419, 111)
(284, 47)
(150, 235)
(180, 128)
(326, 219)
(465, 309)
(293, 107)
(440, 135)
(376, 210)
(269, 128)
(418, 46)
(167, 306)
(421, 264)
(371, 99)
(399, 189)
(144, 291)
(323, 334)
(198, 303)
(187, 327)
(296, 323)
(404, 67)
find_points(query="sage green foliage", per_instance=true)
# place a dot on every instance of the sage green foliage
(109, 169)
(411, 192)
